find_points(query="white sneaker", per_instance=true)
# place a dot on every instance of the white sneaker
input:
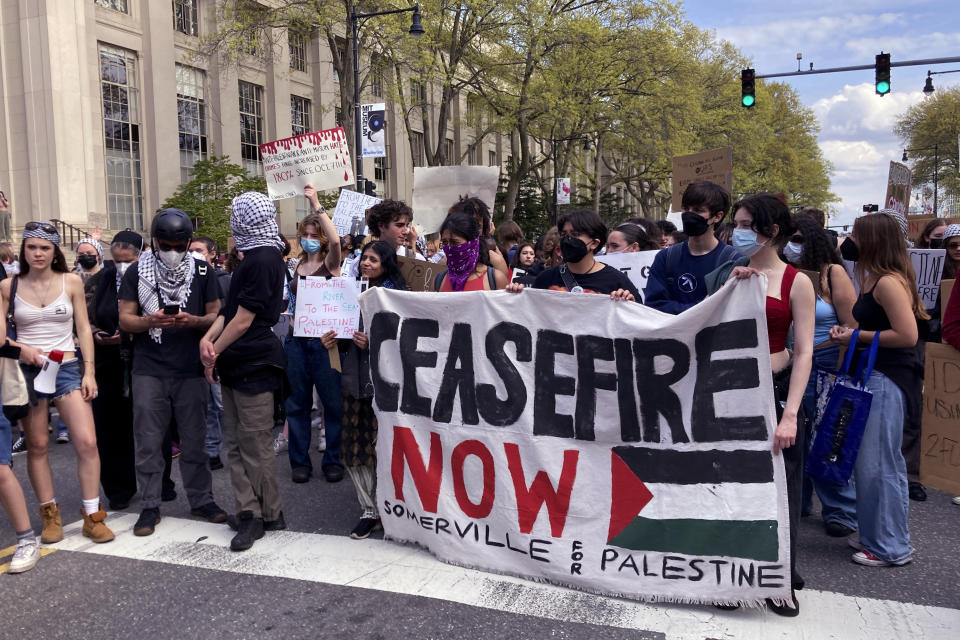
(322, 443)
(280, 444)
(25, 557)
(956, 499)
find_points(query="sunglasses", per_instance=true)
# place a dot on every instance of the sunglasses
(797, 239)
(43, 226)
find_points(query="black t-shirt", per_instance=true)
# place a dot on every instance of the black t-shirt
(178, 353)
(605, 281)
(255, 362)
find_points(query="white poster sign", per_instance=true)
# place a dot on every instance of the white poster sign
(373, 130)
(320, 158)
(635, 266)
(582, 441)
(325, 304)
(436, 189)
(350, 214)
(927, 268)
(563, 190)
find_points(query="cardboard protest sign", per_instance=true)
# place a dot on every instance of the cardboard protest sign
(350, 214)
(420, 274)
(940, 439)
(635, 266)
(946, 288)
(583, 441)
(715, 165)
(324, 304)
(436, 189)
(320, 158)
(928, 268)
(373, 130)
(898, 187)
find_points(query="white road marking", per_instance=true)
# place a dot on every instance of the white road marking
(395, 568)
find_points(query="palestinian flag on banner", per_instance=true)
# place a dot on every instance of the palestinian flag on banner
(707, 503)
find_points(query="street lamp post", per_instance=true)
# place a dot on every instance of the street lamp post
(556, 177)
(936, 171)
(416, 30)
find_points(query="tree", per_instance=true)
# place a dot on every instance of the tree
(934, 121)
(206, 197)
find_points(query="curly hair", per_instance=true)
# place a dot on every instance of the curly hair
(476, 208)
(819, 249)
(386, 211)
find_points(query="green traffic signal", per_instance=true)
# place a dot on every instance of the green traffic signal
(882, 81)
(748, 101)
(883, 87)
(748, 87)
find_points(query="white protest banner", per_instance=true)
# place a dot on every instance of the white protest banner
(350, 214)
(898, 187)
(635, 266)
(324, 304)
(373, 130)
(320, 158)
(582, 441)
(563, 191)
(928, 268)
(436, 189)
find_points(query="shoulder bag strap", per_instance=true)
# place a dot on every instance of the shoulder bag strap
(568, 280)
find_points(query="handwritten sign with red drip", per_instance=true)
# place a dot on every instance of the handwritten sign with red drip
(325, 304)
(320, 158)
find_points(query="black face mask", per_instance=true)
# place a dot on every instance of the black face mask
(936, 243)
(87, 261)
(572, 249)
(849, 250)
(694, 224)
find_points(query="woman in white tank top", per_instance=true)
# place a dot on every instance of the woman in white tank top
(48, 305)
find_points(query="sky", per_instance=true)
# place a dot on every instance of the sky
(856, 124)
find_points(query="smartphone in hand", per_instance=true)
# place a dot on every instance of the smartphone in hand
(171, 309)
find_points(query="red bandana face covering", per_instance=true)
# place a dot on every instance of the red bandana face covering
(461, 261)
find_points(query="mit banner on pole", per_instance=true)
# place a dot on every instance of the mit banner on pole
(627, 453)
(373, 130)
(321, 158)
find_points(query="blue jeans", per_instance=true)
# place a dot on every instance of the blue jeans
(308, 366)
(214, 420)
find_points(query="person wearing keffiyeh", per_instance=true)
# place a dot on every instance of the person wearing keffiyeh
(167, 300)
(89, 258)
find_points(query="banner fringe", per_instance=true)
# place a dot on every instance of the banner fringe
(635, 597)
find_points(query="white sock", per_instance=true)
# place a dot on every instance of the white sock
(52, 501)
(91, 506)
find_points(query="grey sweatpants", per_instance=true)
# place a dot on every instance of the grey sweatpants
(248, 441)
(156, 402)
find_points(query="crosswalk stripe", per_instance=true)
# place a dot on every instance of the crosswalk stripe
(401, 569)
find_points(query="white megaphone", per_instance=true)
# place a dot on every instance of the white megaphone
(46, 380)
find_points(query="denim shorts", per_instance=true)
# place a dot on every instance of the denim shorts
(6, 442)
(68, 378)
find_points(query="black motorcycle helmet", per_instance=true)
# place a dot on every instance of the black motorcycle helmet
(172, 225)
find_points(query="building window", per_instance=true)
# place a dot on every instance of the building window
(491, 158)
(474, 154)
(380, 176)
(338, 116)
(251, 126)
(185, 16)
(298, 51)
(121, 136)
(418, 92)
(299, 115)
(116, 5)
(303, 208)
(416, 148)
(191, 118)
(448, 151)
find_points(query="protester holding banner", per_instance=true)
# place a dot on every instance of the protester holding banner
(308, 361)
(812, 249)
(889, 305)
(47, 306)
(629, 237)
(378, 264)
(676, 280)
(469, 266)
(525, 260)
(763, 225)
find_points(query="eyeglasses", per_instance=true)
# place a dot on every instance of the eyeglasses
(43, 226)
(797, 239)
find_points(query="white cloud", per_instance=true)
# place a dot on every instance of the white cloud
(857, 111)
(920, 45)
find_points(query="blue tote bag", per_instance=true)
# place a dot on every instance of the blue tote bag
(843, 404)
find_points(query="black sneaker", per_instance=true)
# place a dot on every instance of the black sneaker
(917, 492)
(215, 463)
(364, 528)
(19, 445)
(333, 473)
(275, 525)
(149, 518)
(785, 610)
(249, 530)
(211, 512)
(837, 529)
(301, 474)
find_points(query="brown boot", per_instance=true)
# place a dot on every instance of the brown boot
(52, 525)
(94, 528)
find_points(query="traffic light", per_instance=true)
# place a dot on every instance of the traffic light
(370, 187)
(747, 87)
(883, 74)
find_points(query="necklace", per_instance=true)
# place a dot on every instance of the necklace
(46, 292)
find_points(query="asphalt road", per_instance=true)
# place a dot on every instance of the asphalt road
(72, 594)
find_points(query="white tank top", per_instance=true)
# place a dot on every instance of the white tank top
(46, 328)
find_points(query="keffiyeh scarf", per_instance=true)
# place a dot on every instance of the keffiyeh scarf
(158, 284)
(253, 222)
